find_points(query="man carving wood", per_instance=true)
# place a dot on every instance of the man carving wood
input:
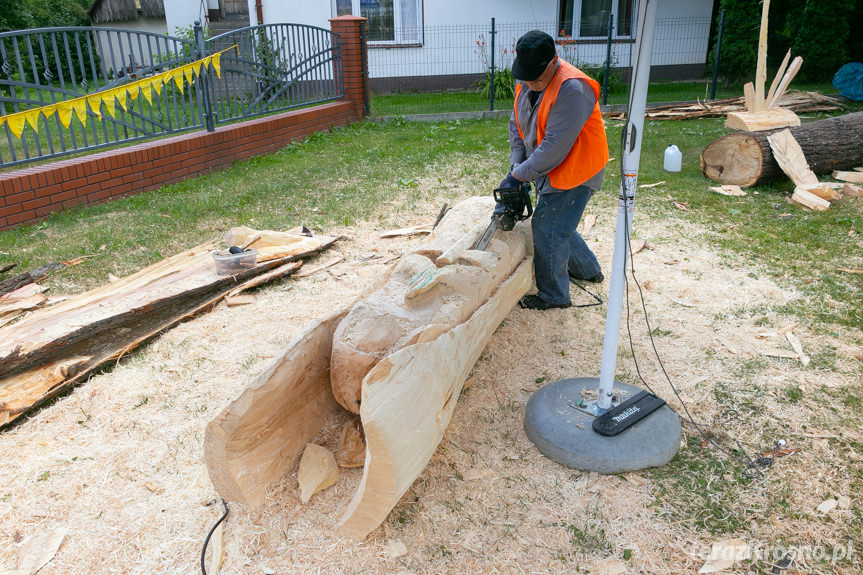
(557, 141)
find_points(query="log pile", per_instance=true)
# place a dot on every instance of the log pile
(55, 347)
(796, 101)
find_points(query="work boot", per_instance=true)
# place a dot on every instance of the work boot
(536, 302)
(597, 279)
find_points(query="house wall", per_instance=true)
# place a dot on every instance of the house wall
(183, 13)
(117, 49)
(451, 28)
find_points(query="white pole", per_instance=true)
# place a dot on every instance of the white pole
(631, 156)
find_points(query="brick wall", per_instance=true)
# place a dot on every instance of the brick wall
(30, 194)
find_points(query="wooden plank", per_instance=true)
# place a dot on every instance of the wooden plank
(778, 77)
(761, 65)
(786, 80)
(257, 438)
(771, 119)
(749, 98)
(824, 192)
(398, 395)
(789, 156)
(809, 200)
(852, 177)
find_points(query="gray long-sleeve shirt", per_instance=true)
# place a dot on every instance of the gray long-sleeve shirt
(568, 114)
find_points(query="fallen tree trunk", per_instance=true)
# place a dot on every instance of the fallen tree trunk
(745, 158)
(32, 276)
(56, 347)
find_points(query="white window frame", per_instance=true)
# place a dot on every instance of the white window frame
(576, 21)
(397, 24)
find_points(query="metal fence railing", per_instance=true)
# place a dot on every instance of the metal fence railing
(270, 68)
(466, 67)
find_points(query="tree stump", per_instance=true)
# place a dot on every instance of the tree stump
(745, 158)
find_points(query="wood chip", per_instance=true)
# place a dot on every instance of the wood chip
(779, 353)
(411, 231)
(611, 566)
(827, 506)
(851, 191)
(589, 221)
(797, 347)
(728, 190)
(154, 488)
(318, 470)
(218, 547)
(843, 502)
(681, 206)
(237, 300)
(396, 548)
(652, 185)
(849, 271)
(636, 245)
(37, 550)
(352, 449)
(723, 554)
(309, 271)
(477, 474)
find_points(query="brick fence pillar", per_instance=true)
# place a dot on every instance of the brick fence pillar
(354, 61)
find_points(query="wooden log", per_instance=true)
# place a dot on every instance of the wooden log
(745, 159)
(107, 322)
(399, 394)
(11, 284)
(258, 437)
(429, 292)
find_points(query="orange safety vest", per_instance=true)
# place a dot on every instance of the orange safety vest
(589, 153)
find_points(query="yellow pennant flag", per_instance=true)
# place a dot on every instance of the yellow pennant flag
(109, 103)
(188, 71)
(216, 60)
(64, 112)
(122, 94)
(177, 75)
(95, 102)
(146, 90)
(16, 123)
(80, 107)
(32, 117)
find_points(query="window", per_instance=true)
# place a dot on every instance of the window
(390, 21)
(589, 18)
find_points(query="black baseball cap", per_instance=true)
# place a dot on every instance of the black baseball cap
(533, 52)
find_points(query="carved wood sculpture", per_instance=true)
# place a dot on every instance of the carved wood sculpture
(761, 110)
(424, 328)
(56, 347)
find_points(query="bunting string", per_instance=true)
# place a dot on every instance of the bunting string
(113, 97)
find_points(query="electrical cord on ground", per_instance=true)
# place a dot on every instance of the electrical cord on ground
(751, 467)
(210, 534)
(588, 292)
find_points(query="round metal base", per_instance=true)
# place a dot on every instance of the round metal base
(564, 433)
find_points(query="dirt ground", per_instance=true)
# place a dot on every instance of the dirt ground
(118, 462)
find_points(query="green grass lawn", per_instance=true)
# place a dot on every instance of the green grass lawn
(405, 103)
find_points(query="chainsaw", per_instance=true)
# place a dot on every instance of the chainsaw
(516, 207)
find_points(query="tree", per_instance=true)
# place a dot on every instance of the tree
(21, 15)
(821, 33)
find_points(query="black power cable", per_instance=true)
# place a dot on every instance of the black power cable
(210, 534)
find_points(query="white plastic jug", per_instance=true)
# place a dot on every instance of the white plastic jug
(673, 158)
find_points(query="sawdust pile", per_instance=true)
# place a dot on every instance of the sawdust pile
(119, 460)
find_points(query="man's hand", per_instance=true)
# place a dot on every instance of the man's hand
(510, 181)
